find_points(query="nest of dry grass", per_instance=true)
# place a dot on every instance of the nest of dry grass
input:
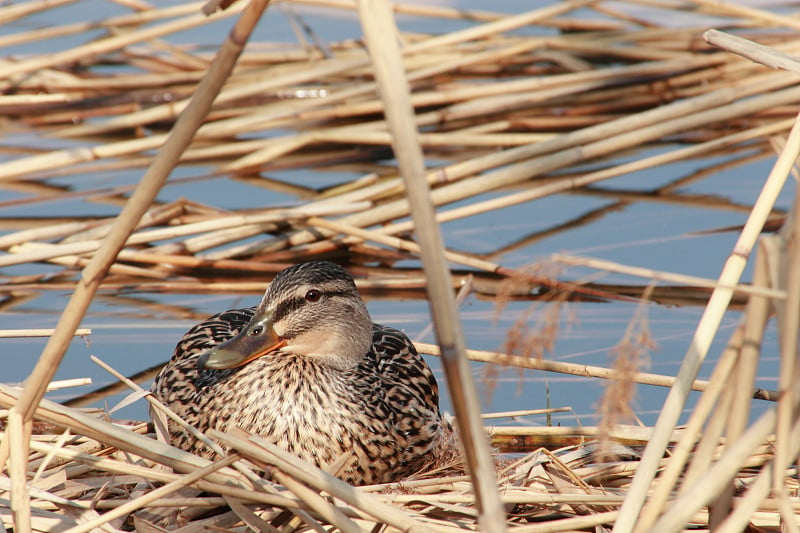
(81, 482)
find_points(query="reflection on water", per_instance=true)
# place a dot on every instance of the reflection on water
(681, 217)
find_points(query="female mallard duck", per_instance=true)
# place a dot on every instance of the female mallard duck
(308, 370)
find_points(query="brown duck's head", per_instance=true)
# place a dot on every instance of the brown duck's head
(311, 309)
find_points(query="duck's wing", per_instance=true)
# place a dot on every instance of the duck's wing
(216, 330)
(405, 373)
(411, 393)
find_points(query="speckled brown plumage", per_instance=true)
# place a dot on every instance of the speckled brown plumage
(379, 406)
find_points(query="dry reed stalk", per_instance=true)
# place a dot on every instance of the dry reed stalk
(574, 369)
(566, 184)
(263, 451)
(510, 496)
(14, 448)
(20, 333)
(183, 261)
(709, 322)
(537, 89)
(10, 13)
(317, 503)
(161, 409)
(13, 101)
(659, 275)
(241, 226)
(632, 123)
(419, 10)
(67, 383)
(400, 244)
(377, 22)
(752, 13)
(180, 286)
(624, 433)
(112, 435)
(755, 322)
(753, 51)
(154, 495)
(718, 476)
(502, 25)
(595, 520)
(788, 313)
(296, 76)
(746, 507)
(706, 328)
(668, 479)
(122, 468)
(132, 19)
(525, 412)
(126, 222)
(60, 158)
(458, 189)
(80, 262)
(706, 452)
(9, 71)
(159, 420)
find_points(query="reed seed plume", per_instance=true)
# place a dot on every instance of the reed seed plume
(534, 330)
(630, 356)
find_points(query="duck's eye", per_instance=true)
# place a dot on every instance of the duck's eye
(256, 330)
(313, 295)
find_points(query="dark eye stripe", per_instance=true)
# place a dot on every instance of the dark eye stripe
(289, 305)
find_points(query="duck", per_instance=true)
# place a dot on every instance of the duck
(308, 370)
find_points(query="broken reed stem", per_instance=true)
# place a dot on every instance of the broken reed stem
(706, 328)
(160, 423)
(381, 36)
(753, 51)
(150, 497)
(166, 159)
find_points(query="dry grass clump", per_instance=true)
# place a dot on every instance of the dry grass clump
(496, 109)
(81, 482)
